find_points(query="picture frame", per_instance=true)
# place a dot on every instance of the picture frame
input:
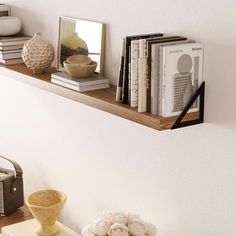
(78, 36)
(5, 10)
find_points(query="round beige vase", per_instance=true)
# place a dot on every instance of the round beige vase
(38, 53)
(46, 206)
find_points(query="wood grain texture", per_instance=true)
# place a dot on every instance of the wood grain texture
(20, 215)
(103, 99)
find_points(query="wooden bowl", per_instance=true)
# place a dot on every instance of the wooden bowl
(79, 60)
(80, 71)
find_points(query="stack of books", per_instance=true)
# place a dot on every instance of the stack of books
(160, 73)
(80, 84)
(11, 49)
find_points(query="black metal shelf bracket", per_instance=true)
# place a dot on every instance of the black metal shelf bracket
(201, 94)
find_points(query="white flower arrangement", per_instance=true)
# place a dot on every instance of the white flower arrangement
(117, 223)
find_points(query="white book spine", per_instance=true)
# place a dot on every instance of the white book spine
(11, 51)
(154, 80)
(6, 56)
(11, 43)
(160, 73)
(142, 85)
(134, 72)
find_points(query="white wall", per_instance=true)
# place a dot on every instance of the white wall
(184, 181)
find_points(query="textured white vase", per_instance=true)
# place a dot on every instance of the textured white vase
(38, 53)
(9, 25)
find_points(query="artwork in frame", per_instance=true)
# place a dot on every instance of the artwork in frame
(81, 37)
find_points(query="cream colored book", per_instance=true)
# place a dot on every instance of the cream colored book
(28, 227)
(142, 77)
(134, 73)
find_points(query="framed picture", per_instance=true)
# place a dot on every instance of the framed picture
(81, 37)
(5, 10)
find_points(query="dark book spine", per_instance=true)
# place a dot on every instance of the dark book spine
(121, 74)
(125, 89)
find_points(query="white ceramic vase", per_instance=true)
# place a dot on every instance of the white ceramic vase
(38, 53)
(46, 206)
(9, 25)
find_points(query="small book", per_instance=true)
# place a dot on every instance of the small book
(181, 72)
(14, 38)
(20, 42)
(10, 48)
(12, 61)
(28, 228)
(78, 88)
(10, 55)
(93, 80)
(18, 39)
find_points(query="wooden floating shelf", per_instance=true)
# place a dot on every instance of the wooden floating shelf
(103, 99)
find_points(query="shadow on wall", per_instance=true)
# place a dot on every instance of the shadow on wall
(27, 16)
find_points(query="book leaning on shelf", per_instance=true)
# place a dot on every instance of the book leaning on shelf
(154, 71)
(80, 84)
(181, 74)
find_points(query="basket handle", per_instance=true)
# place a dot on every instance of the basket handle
(17, 167)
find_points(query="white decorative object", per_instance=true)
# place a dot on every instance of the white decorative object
(118, 229)
(137, 227)
(151, 229)
(38, 53)
(101, 227)
(87, 230)
(9, 25)
(132, 216)
(116, 217)
(118, 223)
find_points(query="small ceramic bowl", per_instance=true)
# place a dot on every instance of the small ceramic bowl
(9, 25)
(79, 59)
(80, 71)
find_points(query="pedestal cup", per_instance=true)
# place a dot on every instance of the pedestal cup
(46, 206)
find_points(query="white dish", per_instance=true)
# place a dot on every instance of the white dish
(9, 25)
